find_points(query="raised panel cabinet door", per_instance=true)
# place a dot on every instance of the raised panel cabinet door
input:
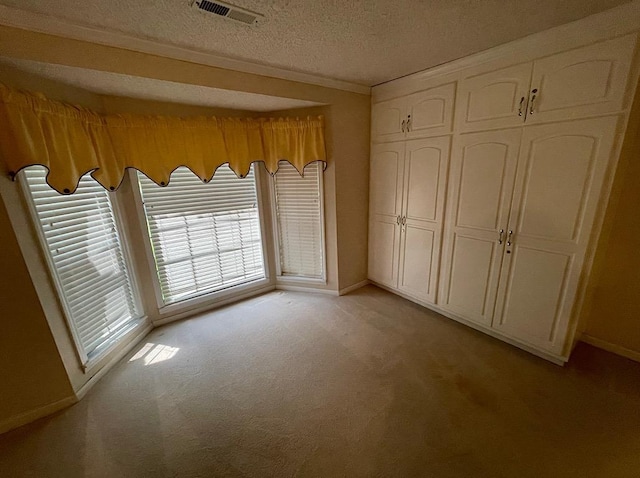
(430, 112)
(426, 166)
(384, 243)
(387, 119)
(497, 99)
(386, 179)
(585, 81)
(385, 209)
(561, 173)
(483, 168)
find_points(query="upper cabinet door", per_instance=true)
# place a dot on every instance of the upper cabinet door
(497, 99)
(561, 173)
(425, 182)
(581, 82)
(430, 112)
(388, 120)
(483, 168)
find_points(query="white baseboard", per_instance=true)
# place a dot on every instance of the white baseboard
(609, 347)
(32, 415)
(82, 391)
(353, 287)
(298, 288)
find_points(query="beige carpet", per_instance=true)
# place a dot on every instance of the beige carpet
(366, 385)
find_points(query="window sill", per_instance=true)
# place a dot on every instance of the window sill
(210, 299)
(301, 281)
(122, 341)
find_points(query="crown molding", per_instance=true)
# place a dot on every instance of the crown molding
(25, 20)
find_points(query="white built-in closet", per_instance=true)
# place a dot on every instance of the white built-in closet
(489, 178)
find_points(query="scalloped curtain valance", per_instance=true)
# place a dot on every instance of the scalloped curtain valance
(71, 141)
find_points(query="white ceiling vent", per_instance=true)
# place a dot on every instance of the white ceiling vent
(228, 11)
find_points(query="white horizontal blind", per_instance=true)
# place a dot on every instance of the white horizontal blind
(205, 237)
(88, 262)
(299, 221)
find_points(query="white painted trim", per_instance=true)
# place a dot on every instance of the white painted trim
(202, 300)
(302, 281)
(114, 359)
(353, 287)
(213, 305)
(35, 414)
(314, 290)
(551, 357)
(609, 347)
(18, 18)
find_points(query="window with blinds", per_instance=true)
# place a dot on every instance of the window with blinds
(88, 263)
(205, 237)
(298, 205)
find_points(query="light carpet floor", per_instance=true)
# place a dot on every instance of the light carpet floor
(366, 385)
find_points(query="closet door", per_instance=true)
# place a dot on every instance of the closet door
(431, 111)
(497, 99)
(385, 209)
(387, 120)
(483, 167)
(581, 82)
(425, 176)
(560, 177)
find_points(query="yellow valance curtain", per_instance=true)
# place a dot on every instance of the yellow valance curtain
(71, 141)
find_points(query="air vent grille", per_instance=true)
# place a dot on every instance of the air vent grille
(214, 8)
(228, 11)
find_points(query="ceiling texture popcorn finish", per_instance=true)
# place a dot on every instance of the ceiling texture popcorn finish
(366, 42)
(106, 83)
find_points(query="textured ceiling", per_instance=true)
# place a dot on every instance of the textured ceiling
(361, 41)
(150, 89)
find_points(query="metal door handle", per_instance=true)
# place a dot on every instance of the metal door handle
(403, 122)
(500, 237)
(533, 100)
(408, 123)
(404, 220)
(509, 238)
(398, 220)
(520, 107)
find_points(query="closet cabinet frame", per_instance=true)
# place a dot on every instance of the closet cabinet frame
(624, 21)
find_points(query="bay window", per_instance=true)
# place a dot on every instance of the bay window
(205, 236)
(82, 244)
(202, 238)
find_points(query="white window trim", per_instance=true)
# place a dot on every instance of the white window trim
(166, 310)
(290, 279)
(89, 364)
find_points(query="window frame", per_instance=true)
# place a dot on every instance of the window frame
(88, 362)
(174, 308)
(291, 279)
